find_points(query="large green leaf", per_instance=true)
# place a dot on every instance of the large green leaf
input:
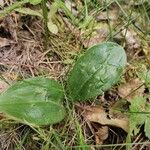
(96, 71)
(34, 101)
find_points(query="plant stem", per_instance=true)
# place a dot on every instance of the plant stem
(45, 20)
(86, 8)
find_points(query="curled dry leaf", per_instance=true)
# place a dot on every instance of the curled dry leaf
(98, 115)
(101, 135)
(2, 3)
(131, 89)
(103, 16)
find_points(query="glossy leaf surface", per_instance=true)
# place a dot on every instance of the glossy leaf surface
(34, 101)
(96, 71)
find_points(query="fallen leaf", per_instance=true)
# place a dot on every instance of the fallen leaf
(98, 115)
(2, 3)
(101, 135)
(131, 39)
(103, 16)
(10, 76)
(131, 89)
(10, 25)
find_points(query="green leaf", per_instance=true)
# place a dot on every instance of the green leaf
(96, 71)
(34, 101)
(137, 115)
(52, 27)
(34, 2)
(145, 76)
(28, 11)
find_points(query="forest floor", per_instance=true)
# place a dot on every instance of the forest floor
(22, 56)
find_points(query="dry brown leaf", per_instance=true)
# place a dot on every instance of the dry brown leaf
(131, 89)
(101, 135)
(103, 16)
(131, 39)
(2, 3)
(3, 86)
(5, 42)
(10, 76)
(98, 115)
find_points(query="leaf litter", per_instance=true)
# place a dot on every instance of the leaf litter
(21, 53)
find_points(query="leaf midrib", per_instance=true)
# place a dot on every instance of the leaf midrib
(78, 91)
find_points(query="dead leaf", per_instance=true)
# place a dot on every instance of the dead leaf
(131, 89)
(103, 16)
(98, 115)
(10, 25)
(71, 6)
(131, 39)
(3, 86)
(2, 3)
(146, 50)
(10, 76)
(101, 135)
(2, 116)
(5, 42)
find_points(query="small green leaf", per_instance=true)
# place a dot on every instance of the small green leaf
(146, 127)
(52, 27)
(145, 76)
(137, 115)
(28, 11)
(96, 71)
(34, 101)
(35, 2)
